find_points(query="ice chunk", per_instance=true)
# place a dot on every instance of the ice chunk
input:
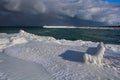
(97, 58)
(21, 31)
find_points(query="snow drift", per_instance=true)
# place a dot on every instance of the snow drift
(63, 59)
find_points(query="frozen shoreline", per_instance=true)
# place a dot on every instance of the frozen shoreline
(112, 28)
(61, 58)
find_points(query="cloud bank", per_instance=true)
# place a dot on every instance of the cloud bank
(95, 11)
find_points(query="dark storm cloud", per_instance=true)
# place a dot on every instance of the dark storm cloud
(95, 11)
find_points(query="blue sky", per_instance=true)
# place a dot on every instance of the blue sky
(113, 1)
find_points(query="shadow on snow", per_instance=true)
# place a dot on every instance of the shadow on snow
(77, 56)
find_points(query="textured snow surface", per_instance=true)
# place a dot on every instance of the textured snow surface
(15, 69)
(61, 59)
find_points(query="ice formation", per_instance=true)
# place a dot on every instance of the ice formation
(19, 40)
(4, 41)
(98, 57)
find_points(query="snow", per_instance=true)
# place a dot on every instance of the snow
(15, 69)
(97, 56)
(4, 41)
(18, 41)
(59, 59)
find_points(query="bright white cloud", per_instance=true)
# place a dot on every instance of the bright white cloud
(93, 10)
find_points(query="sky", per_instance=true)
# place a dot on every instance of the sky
(59, 12)
(113, 1)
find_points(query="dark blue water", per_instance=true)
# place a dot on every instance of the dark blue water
(95, 35)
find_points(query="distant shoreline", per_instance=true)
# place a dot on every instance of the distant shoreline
(81, 27)
(45, 27)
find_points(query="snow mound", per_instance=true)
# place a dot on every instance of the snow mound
(4, 41)
(7, 40)
(97, 58)
(23, 37)
(18, 40)
(31, 37)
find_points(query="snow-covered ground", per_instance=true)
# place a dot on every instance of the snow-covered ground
(26, 56)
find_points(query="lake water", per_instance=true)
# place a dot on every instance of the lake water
(95, 35)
